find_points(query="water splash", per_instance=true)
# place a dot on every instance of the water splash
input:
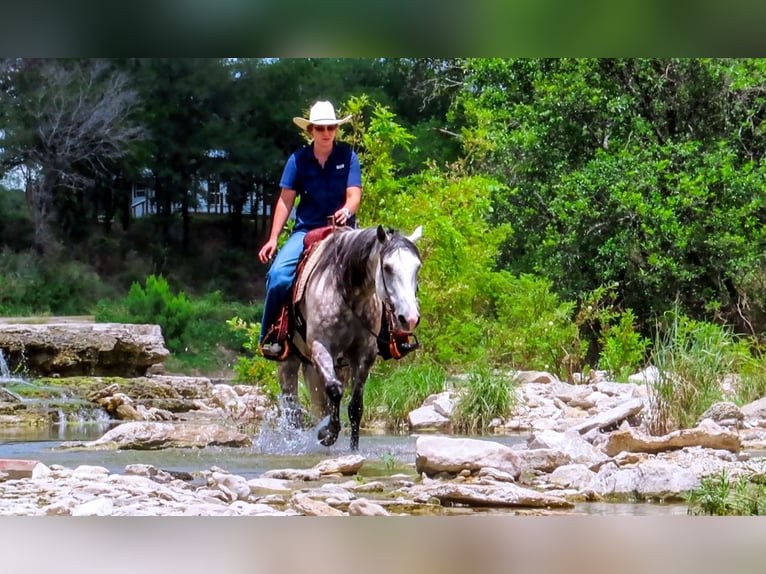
(278, 436)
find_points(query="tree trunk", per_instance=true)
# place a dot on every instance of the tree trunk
(40, 199)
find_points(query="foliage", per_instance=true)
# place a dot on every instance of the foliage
(254, 369)
(155, 303)
(389, 460)
(31, 284)
(692, 358)
(392, 392)
(195, 330)
(533, 329)
(624, 348)
(719, 495)
(614, 341)
(639, 172)
(485, 396)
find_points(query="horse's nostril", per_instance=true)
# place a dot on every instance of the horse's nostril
(402, 320)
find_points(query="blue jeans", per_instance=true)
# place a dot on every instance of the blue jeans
(280, 278)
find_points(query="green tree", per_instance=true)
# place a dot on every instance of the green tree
(644, 173)
(65, 121)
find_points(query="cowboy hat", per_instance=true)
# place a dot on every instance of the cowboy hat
(321, 113)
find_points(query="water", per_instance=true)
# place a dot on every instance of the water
(274, 447)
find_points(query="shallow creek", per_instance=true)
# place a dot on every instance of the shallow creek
(272, 449)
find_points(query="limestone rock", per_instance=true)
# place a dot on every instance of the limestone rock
(82, 348)
(436, 454)
(708, 435)
(155, 435)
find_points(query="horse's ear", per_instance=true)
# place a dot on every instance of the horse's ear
(382, 235)
(417, 234)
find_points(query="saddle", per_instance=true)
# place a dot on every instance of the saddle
(284, 326)
(290, 324)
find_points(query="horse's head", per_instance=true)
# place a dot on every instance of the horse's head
(397, 276)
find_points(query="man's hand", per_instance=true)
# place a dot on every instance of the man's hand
(268, 250)
(342, 216)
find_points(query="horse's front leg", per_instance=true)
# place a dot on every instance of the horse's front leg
(323, 361)
(356, 404)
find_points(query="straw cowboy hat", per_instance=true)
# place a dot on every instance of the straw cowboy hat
(321, 113)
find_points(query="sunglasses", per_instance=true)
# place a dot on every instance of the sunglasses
(320, 129)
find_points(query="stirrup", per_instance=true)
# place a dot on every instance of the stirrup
(399, 344)
(402, 344)
(274, 349)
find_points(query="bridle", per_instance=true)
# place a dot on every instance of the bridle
(397, 343)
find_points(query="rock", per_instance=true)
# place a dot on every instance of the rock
(77, 348)
(345, 465)
(435, 454)
(708, 435)
(310, 507)
(292, 474)
(649, 375)
(576, 476)
(363, 507)
(611, 418)
(13, 469)
(755, 412)
(723, 412)
(543, 459)
(154, 435)
(542, 377)
(96, 507)
(443, 403)
(425, 419)
(655, 479)
(572, 443)
(497, 495)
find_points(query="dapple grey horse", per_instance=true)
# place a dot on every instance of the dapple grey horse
(342, 309)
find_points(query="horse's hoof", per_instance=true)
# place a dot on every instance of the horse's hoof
(328, 431)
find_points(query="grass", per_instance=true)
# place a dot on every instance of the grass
(485, 396)
(719, 495)
(392, 392)
(692, 357)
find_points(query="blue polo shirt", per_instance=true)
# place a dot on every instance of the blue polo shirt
(322, 190)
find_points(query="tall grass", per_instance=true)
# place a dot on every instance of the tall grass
(692, 357)
(486, 395)
(392, 392)
(720, 495)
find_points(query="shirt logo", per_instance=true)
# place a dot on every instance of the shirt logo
(341, 166)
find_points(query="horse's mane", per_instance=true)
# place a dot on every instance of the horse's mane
(350, 251)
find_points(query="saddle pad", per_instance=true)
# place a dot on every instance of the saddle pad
(305, 267)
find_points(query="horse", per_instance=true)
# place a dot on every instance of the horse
(361, 281)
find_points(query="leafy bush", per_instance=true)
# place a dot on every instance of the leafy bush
(623, 348)
(195, 330)
(486, 395)
(34, 285)
(533, 328)
(154, 304)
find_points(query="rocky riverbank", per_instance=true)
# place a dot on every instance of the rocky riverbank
(586, 442)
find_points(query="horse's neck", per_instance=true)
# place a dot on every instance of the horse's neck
(365, 288)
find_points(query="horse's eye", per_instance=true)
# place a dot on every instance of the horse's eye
(388, 269)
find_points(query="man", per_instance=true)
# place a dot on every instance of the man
(326, 177)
